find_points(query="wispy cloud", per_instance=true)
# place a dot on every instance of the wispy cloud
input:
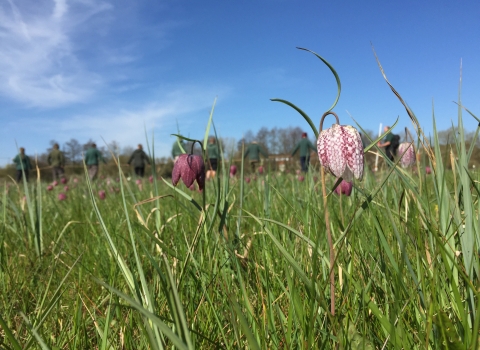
(38, 62)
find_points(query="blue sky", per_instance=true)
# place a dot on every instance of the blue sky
(109, 69)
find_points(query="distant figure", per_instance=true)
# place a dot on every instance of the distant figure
(23, 164)
(176, 150)
(57, 161)
(92, 158)
(391, 143)
(305, 147)
(212, 156)
(139, 158)
(253, 151)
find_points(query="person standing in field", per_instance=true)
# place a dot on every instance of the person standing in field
(176, 150)
(305, 147)
(139, 159)
(92, 158)
(212, 156)
(23, 165)
(56, 160)
(391, 143)
(253, 151)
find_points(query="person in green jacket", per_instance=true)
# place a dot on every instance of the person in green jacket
(212, 156)
(23, 165)
(92, 158)
(176, 150)
(139, 158)
(305, 146)
(391, 143)
(253, 151)
(57, 161)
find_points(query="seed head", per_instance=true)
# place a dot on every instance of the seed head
(340, 151)
(189, 167)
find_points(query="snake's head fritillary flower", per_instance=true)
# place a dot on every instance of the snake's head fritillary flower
(247, 180)
(55, 183)
(233, 170)
(260, 169)
(49, 187)
(340, 152)
(189, 167)
(138, 182)
(102, 194)
(301, 178)
(150, 178)
(62, 196)
(428, 170)
(345, 187)
(75, 180)
(63, 180)
(66, 188)
(407, 152)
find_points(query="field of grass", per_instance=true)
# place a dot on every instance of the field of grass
(246, 264)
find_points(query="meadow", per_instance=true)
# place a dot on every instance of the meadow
(246, 264)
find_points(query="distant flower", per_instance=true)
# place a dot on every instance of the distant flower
(298, 172)
(301, 178)
(138, 182)
(65, 188)
(150, 179)
(75, 180)
(260, 169)
(407, 152)
(233, 170)
(102, 194)
(189, 167)
(109, 182)
(49, 187)
(247, 180)
(345, 187)
(55, 183)
(340, 152)
(63, 180)
(62, 196)
(428, 170)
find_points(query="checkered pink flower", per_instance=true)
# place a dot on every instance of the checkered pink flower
(407, 152)
(345, 187)
(189, 167)
(340, 151)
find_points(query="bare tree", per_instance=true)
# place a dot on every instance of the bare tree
(73, 150)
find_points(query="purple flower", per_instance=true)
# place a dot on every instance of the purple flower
(260, 169)
(49, 187)
(301, 178)
(63, 180)
(189, 167)
(138, 182)
(233, 170)
(407, 152)
(102, 195)
(340, 152)
(428, 170)
(345, 187)
(150, 178)
(55, 183)
(247, 180)
(62, 196)
(66, 188)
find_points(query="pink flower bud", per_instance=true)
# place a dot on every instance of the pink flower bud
(233, 170)
(62, 196)
(428, 170)
(345, 187)
(189, 167)
(301, 178)
(260, 169)
(407, 152)
(49, 187)
(102, 195)
(340, 151)
(63, 180)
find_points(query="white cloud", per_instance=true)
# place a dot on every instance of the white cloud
(38, 62)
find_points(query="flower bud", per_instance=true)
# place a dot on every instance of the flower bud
(189, 167)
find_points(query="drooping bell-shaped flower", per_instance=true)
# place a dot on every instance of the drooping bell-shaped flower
(233, 170)
(64, 180)
(428, 170)
(301, 178)
(407, 152)
(62, 196)
(340, 151)
(102, 194)
(49, 187)
(260, 170)
(345, 187)
(189, 167)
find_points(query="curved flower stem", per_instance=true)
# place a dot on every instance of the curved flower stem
(327, 225)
